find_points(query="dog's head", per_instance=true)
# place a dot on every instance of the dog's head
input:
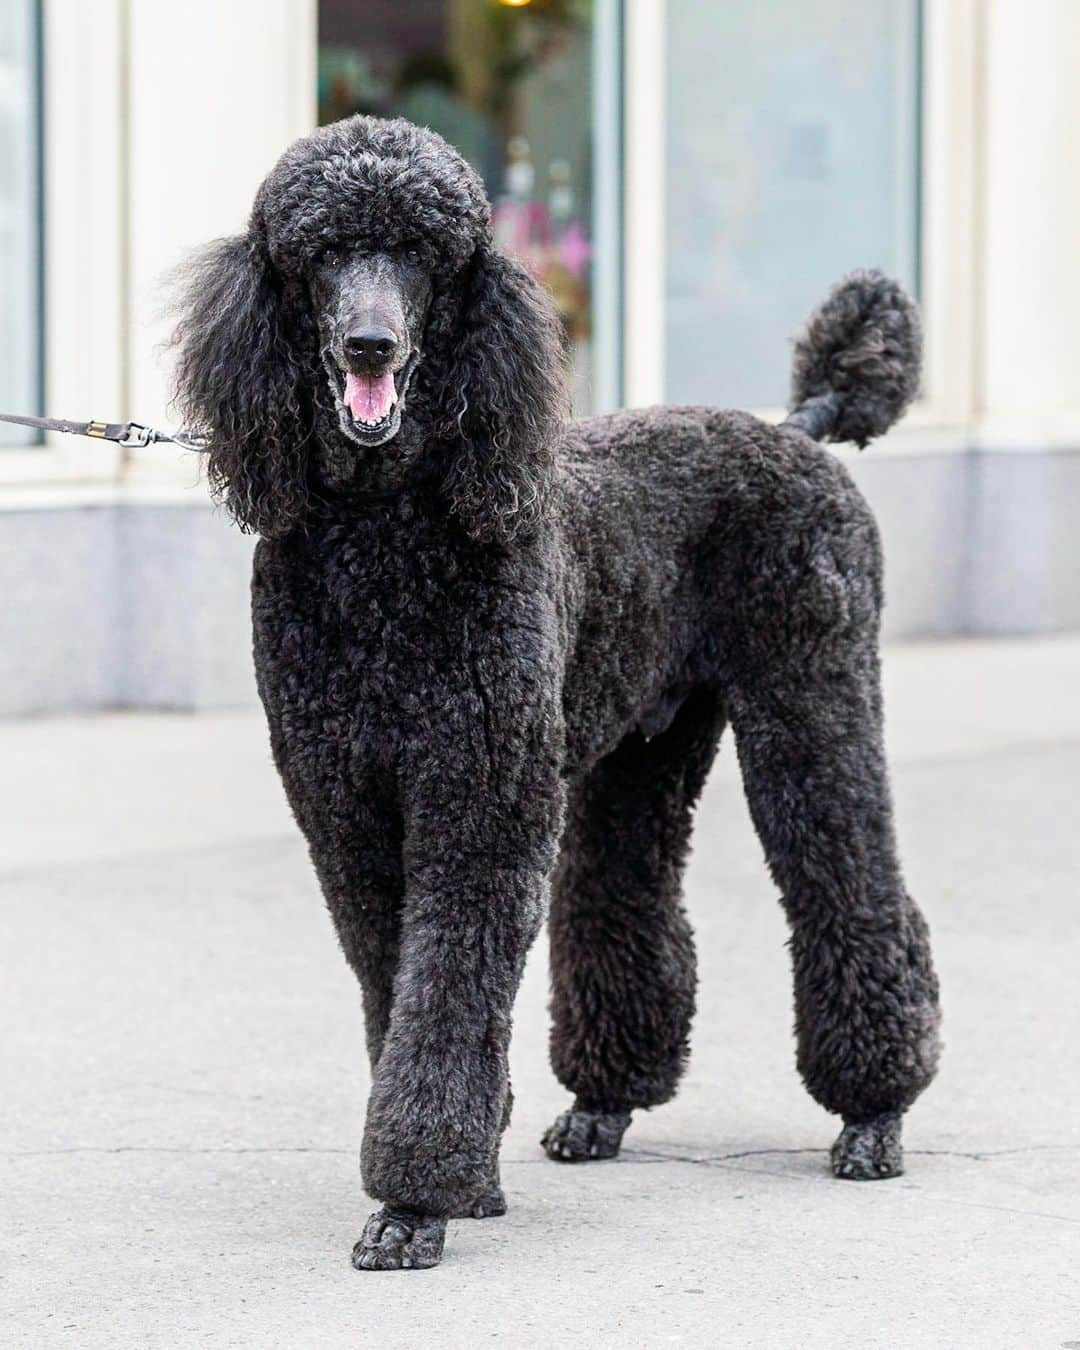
(365, 331)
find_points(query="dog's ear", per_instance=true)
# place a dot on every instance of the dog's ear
(239, 380)
(503, 397)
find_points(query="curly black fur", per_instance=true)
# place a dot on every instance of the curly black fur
(495, 691)
(490, 398)
(857, 362)
(507, 400)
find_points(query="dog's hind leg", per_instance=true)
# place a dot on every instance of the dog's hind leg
(622, 952)
(809, 742)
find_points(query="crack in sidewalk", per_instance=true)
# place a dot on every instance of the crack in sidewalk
(629, 1155)
(708, 1159)
(721, 1161)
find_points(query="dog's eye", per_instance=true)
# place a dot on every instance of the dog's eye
(331, 258)
(411, 252)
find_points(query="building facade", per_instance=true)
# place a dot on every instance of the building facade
(688, 180)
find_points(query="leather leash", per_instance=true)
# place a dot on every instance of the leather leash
(129, 435)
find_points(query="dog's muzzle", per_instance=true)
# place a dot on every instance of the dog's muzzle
(370, 405)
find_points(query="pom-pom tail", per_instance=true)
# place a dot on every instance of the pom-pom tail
(857, 362)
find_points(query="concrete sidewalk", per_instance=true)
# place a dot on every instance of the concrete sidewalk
(183, 1080)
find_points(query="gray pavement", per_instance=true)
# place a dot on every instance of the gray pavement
(182, 1080)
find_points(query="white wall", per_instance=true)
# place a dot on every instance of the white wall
(217, 90)
(1030, 321)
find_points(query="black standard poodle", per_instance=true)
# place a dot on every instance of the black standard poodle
(497, 649)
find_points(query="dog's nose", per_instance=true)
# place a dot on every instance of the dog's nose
(372, 346)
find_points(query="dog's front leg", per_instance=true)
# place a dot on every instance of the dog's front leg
(477, 886)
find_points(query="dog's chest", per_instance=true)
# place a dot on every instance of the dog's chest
(367, 639)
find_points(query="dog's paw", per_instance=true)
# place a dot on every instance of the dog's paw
(870, 1151)
(489, 1204)
(400, 1239)
(579, 1135)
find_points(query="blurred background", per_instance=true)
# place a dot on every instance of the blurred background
(688, 179)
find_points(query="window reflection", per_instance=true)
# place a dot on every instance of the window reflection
(792, 156)
(511, 87)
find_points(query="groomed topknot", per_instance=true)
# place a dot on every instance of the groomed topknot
(858, 360)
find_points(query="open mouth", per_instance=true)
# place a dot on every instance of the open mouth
(370, 406)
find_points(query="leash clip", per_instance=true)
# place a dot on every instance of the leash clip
(136, 436)
(188, 440)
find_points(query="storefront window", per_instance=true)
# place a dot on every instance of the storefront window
(792, 156)
(20, 217)
(528, 93)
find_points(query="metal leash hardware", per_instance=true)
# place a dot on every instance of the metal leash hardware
(128, 435)
(139, 435)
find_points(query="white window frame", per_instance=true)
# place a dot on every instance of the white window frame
(203, 133)
(949, 197)
(132, 99)
(83, 200)
(644, 178)
(951, 158)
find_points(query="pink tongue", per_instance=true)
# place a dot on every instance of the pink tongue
(370, 397)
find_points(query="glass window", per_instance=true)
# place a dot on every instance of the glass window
(528, 93)
(792, 157)
(20, 217)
